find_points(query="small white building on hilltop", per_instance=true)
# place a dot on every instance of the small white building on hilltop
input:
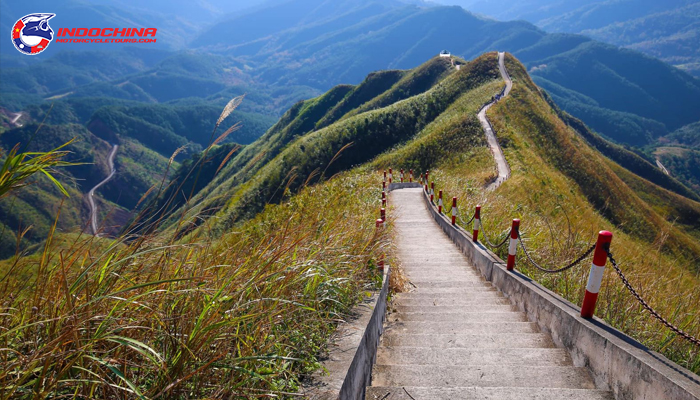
(445, 53)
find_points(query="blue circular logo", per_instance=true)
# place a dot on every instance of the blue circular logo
(32, 34)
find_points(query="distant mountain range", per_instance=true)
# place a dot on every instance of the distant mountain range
(667, 29)
(620, 93)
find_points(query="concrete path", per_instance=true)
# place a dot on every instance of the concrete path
(454, 336)
(91, 193)
(501, 163)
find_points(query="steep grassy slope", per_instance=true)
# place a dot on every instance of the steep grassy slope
(242, 191)
(235, 316)
(564, 190)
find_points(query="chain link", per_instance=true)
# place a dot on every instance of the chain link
(646, 305)
(488, 241)
(554, 271)
(466, 224)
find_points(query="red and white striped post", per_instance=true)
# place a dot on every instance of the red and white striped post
(382, 213)
(595, 278)
(384, 186)
(384, 175)
(380, 263)
(401, 175)
(391, 175)
(432, 191)
(477, 224)
(454, 211)
(513, 245)
(383, 198)
(440, 202)
(410, 175)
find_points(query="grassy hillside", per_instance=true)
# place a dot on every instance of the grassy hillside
(564, 190)
(243, 305)
(244, 314)
(271, 174)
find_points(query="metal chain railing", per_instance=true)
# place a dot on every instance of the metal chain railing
(488, 241)
(554, 271)
(646, 305)
(466, 224)
(576, 262)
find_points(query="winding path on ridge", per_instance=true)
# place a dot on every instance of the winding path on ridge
(455, 336)
(91, 193)
(501, 163)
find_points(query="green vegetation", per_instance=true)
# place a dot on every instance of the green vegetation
(679, 153)
(234, 293)
(37, 207)
(239, 316)
(682, 163)
(242, 191)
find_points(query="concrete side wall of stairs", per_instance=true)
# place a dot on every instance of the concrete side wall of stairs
(617, 362)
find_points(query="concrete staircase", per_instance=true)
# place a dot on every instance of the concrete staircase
(454, 336)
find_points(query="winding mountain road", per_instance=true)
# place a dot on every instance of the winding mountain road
(661, 167)
(91, 193)
(501, 163)
(16, 117)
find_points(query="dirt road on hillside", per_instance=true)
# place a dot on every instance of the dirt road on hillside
(91, 193)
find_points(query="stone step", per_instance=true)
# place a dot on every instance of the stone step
(497, 340)
(484, 293)
(481, 357)
(446, 291)
(481, 393)
(438, 276)
(421, 258)
(451, 303)
(444, 286)
(414, 327)
(442, 272)
(476, 307)
(460, 316)
(482, 376)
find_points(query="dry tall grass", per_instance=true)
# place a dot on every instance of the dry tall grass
(242, 316)
(150, 316)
